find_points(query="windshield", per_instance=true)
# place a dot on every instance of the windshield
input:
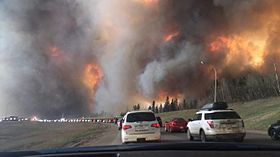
(86, 73)
(222, 115)
(139, 117)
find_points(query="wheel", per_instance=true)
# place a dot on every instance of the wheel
(189, 136)
(241, 139)
(203, 136)
(274, 135)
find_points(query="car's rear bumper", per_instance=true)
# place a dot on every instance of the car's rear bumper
(141, 137)
(227, 136)
(178, 128)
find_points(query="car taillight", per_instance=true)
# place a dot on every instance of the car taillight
(210, 123)
(125, 127)
(155, 125)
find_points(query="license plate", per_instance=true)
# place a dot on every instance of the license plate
(181, 127)
(141, 128)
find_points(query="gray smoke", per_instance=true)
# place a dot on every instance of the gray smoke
(34, 82)
(126, 39)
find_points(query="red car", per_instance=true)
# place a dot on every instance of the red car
(177, 124)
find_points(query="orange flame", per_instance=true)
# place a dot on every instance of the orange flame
(162, 95)
(251, 50)
(92, 76)
(150, 2)
(170, 36)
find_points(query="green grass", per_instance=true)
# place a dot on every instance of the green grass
(28, 135)
(257, 115)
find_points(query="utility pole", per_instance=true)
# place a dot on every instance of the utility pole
(215, 77)
(215, 92)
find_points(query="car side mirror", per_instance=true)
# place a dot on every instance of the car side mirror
(190, 119)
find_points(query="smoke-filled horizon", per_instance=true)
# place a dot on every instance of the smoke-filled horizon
(80, 57)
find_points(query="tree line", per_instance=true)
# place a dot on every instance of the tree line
(248, 87)
(170, 105)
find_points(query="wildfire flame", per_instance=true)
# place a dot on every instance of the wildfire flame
(162, 95)
(150, 2)
(236, 46)
(170, 36)
(92, 76)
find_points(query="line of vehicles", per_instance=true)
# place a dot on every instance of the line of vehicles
(214, 121)
(35, 119)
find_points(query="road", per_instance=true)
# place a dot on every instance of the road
(112, 137)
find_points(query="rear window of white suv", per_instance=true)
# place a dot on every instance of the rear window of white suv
(222, 115)
(141, 116)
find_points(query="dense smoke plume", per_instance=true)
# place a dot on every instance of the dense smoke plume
(80, 57)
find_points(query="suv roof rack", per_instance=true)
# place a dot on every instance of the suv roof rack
(215, 106)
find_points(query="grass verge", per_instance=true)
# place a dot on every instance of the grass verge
(29, 136)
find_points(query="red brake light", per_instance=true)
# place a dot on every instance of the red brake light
(155, 125)
(125, 127)
(210, 123)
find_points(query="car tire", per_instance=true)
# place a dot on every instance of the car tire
(203, 136)
(274, 135)
(189, 136)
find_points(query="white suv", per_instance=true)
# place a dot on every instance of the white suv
(140, 126)
(216, 124)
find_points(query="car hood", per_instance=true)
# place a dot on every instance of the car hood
(147, 147)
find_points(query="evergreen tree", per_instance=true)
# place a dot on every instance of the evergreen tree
(153, 106)
(134, 107)
(166, 105)
(160, 110)
(172, 106)
(185, 105)
(176, 105)
(156, 109)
